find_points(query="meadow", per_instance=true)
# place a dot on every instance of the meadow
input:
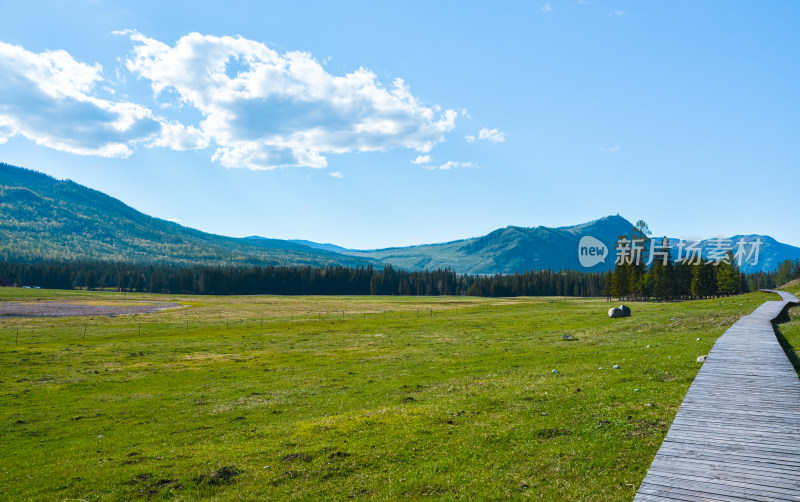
(375, 398)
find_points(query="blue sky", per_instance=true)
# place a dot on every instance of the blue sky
(375, 124)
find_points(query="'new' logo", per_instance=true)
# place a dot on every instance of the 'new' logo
(591, 251)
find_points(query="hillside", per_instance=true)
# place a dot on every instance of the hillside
(42, 217)
(509, 250)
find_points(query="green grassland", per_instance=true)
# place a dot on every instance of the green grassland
(789, 333)
(259, 398)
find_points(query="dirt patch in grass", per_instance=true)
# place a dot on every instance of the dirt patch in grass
(148, 487)
(68, 309)
(337, 455)
(296, 456)
(552, 433)
(223, 476)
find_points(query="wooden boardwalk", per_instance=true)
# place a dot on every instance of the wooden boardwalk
(737, 433)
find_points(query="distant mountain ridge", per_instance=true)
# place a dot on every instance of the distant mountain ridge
(45, 218)
(517, 249)
(42, 217)
(508, 250)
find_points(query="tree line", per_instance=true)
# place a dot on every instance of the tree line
(670, 281)
(303, 280)
(673, 281)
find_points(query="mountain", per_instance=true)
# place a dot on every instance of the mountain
(42, 217)
(770, 252)
(508, 250)
(517, 249)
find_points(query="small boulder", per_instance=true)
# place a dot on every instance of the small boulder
(616, 366)
(567, 337)
(701, 359)
(621, 311)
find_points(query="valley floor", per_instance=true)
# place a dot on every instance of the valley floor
(333, 397)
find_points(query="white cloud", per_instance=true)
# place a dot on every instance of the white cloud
(611, 149)
(450, 165)
(547, 8)
(617, 13)
(422, 159)
(264, 109)
(469, 138)
(336, 174)
(492, 135)
(50, 99)
(6, 130)
(180, 137)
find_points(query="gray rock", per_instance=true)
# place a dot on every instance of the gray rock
(568, 337)
(621, 311)
(616, 366)
(701, 359)
(648, 405)
(555, 372)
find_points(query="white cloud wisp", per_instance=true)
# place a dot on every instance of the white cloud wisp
(492, 135)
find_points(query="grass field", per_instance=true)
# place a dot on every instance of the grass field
(789, 333)
(384, 398)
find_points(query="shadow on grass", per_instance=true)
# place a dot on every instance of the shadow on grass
(791, 352)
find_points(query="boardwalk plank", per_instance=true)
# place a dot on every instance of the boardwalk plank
(668, 491)
(726, 491)
(730, 474)
(715, 467)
